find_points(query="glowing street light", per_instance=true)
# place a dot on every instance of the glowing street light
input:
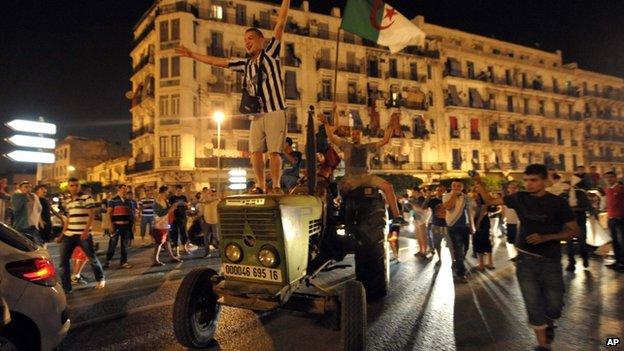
(238, 179)
(32, 141)
(31, 156)
(71, 168)
(22, 125)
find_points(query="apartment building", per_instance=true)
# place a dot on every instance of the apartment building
(466, 101)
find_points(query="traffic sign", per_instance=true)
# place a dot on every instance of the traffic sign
(22, 125)
(32, 141)
(31, 156)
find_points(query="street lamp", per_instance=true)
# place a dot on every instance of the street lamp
(218, 117)
(71, 168)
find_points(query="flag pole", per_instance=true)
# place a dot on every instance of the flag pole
(336, 75)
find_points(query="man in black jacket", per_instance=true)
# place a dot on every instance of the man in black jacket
(46, 230)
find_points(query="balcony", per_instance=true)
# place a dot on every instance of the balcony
(411, 76)
(140, 167)
(142, 131)
(294, 128)
(226, 162)
(534, 139)
(606, 137)
(180, 6)
(574, 143)
(324, 64)
(291, 61)
(169, 162)
(145, 60)
(168, 121)
(408, 166)
(605, 158)
(138, 39)
(475, 136)
(350, 67)
(454, 134)
(373, 73)
(355, 99)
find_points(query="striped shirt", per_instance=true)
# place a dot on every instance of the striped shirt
(147, 207)
(78, 210)
(272, 87)
(122, 211)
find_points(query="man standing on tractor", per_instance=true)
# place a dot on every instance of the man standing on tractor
(357, 172)
(263, 96)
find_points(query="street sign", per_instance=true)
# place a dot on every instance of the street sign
(238, 179)
(32, 141)
(31, 156)
(22, 125)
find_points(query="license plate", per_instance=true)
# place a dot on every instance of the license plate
(252, 272)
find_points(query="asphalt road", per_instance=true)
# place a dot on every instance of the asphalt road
(424, 311)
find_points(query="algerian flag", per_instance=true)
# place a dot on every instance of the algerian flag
(381, 23)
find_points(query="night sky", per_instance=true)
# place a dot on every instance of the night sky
(68, 60)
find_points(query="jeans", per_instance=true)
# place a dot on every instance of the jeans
(541, 284)
(616, 227)
(211, 235)
(437, 234)
(178, 230)
(33, 234)
(145, 220)
(288, 181)
(68, 244)
(512, 231)
(458, 237)
(125, 233)
(582, 238)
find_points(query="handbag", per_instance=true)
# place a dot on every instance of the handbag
(251, 104)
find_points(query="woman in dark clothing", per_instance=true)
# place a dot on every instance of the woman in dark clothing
(481, 240)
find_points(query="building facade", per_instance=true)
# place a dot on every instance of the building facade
(466, 101)
(109, 172)
(73, 156)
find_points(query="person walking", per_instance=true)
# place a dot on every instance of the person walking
(580, 204)
(46, 213)
(179, 234)
(439, 230)
(162, 211)
(146, 210)
(262, 84)
(27, 212)
(210, 219)
(546, 220)
(121, 212)
(512, 222)
(77, 233)
(481, 242)
(460, 225)
(615, 212)
(135, 206)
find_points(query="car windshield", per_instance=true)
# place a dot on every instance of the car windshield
(16, 239)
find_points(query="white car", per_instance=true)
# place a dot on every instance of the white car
(33, 294)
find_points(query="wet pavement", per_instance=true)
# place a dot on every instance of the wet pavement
(425, 310)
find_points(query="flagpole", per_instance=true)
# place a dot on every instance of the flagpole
(336, 74)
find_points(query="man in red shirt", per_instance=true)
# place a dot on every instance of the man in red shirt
(615, 211)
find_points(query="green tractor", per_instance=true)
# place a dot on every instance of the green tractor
(274, 245)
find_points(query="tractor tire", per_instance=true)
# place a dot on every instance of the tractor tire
(353, 317)
(371, 258)
(195, 311)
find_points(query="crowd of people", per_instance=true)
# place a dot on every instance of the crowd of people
(534, 219)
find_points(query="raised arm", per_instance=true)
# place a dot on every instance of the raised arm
(386, 137)
(281, 20)
(330, 133)
(480, 186)
(211, 60)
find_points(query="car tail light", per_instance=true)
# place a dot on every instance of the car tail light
(37, 270)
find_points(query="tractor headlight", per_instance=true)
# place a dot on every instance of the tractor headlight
(233, 252)
(268, 256)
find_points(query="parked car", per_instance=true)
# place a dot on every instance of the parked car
(33, 294)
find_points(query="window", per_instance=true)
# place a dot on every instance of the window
(195, 106)
(326, 89)
(216, 12)
(429, 73)
(216, 44)
(175, 105)
(241, 15)
(541, 107)
(214, 142)
(195, 30)
(454, 127)
(175, 66)
(508, 78)
(526, 106)
(164, 31)
(457, 159)
(475, 159)
(175, 29)
(471, 69)
(164, 67)
(393, 68)
(413, 71)
(555, 85)
(194, 69)
(242, 145)
(164, 150)
(175, 146)
(510, 106)
(291, 85)
(163, 106)
(557, 113)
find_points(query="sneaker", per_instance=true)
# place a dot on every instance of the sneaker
(399, 221)
(101, 284)
(126, 265)
(78, 280)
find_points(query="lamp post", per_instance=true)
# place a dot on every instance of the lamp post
(218, 117)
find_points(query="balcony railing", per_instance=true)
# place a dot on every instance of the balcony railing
(475, 136)
(180, 6)
(408, 166)
(606, 137)
(145, 60)
(350, 67)
(140, 167)
(170, 162)
(605, 158)
(355, 99)
(402, 75)
(141, 131)
(226, 162)
(536, 139)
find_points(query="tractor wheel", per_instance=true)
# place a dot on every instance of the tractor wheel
(195, 311)
(353, 317)
(371, 259)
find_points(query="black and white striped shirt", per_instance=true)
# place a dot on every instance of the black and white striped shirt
(272, 87)
(147, 207)
(78, 212)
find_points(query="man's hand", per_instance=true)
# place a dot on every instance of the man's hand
(59, 238)
(535, 239)
(84, 235)
(183, 51)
